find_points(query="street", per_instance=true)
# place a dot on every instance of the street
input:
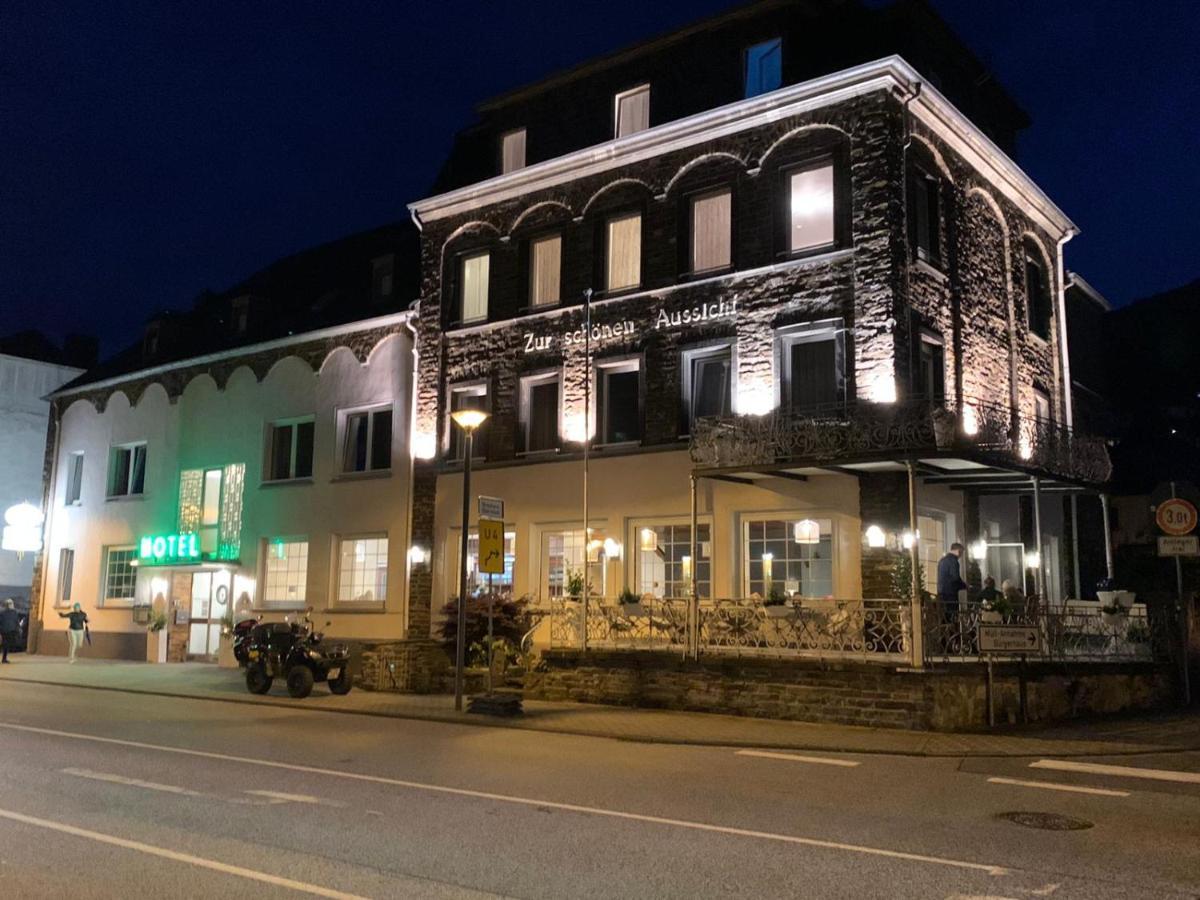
(111, 794)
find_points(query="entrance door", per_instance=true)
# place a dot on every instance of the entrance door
(210, 604)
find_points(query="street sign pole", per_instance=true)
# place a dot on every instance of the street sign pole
(491, 640)
(491, 562)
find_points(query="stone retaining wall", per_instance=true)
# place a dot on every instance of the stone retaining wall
(413, 666)
(846, 693)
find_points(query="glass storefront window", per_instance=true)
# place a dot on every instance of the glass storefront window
(771, 559)
(661, 571)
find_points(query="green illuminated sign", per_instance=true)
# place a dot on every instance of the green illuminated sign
(160, 549)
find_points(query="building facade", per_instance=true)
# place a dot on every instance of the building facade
(780, 291)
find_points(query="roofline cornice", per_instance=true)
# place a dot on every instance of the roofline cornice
(891, 72)
(233, 353)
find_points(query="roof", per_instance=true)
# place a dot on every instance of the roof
(33, 345)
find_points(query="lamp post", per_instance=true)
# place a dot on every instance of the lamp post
(468, 420)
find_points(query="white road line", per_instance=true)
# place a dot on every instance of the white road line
(1063, 765)
(197, 861)
(1055, 786)
(132, 782)
(293, 798)
(528, 801)
(819, 760)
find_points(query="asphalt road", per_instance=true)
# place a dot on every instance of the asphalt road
(106, 794)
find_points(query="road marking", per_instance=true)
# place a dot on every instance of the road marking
(527, 801)
(175, 856)
(820, 760)
(1063, 765)
(293, 798)
(132, 782)
(1055, 786)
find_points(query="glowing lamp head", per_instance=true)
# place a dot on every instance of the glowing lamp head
(807, 531)
(612, 548)
(418, 555)
(1033, 560)
(875, 537)
(23, 531)
(979, 549)
(469, 419)
(909, 538)
(648, 540)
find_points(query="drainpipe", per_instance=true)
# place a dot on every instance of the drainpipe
(34, 639)
(694, 599)
(913, 95)
(1109, 570)
(918, 632)
(412, 464)
(1063, 352)
(1039, 577)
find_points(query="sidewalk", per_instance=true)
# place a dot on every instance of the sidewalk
(1147, 734)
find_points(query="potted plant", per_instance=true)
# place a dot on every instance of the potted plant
(1113, 614)
(777, 605)
(945, 427)
(631, 604)
(225, 657)
(995, 610)
(574, 585)
(156, 637)
(1113, 601)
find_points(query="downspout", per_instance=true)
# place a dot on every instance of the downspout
(913, 95)
(43, 561)
(1064, 353)
(412, 465)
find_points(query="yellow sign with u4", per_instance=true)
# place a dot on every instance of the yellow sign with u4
(491, 546)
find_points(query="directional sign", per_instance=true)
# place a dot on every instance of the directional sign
(1009, 639)
(491, 546)
(1187, 545)
(1175, 516)
(491, 508)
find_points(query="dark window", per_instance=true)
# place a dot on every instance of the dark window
(127, 471)
(764, 67)
(814, 381)
(472, 397)
(74, 478)
(709, 384)
(367, 442)
(931, 373)
(541, 415)
(291, 451)
(924, 219)
(619, 404)
(1038, 296)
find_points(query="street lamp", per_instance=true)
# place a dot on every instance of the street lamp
(468, 420)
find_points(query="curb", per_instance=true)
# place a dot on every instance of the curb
(524, 725)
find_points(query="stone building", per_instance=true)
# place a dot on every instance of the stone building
(775, 290)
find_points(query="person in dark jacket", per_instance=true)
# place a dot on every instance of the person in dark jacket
(949, 583)
(78, 622)
(10, 629)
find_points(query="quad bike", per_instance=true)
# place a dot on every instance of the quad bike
(295, 652)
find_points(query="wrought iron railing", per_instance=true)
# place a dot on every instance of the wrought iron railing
(1072, 633)
(856, 429)
(650, 624)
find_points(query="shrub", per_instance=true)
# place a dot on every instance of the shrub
(511, 620)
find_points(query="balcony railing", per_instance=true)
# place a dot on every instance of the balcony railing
(862, 429)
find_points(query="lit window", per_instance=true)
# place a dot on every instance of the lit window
(708, 383)
(74, 479)
(563, 558)
(788, 567)
(477, 580)
(813, 381)
(66, 574)
(540, 412)
(711, 218)
(931, 373)
(1038, 296)
(120, 574)
(624, 247)
(285, 572)
(290, 450)
(545, 270)
(764, 67)
(127, 471)
(810, 208)
(367, 440)
(473, 273)
(512, 151)
(362, 569)
(619, 386)
(472, 396)
(663, 571)
(931, 546)
(210, 511)
(924, 221)
(632, 111)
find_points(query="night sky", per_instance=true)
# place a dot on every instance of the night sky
(149, 151)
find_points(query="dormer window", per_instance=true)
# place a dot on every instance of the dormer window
(764, 67)
(512, 151)
(632, 111)
(382, 277)
(150, 341)
(240, 309)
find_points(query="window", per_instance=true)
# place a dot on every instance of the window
(931, 371)
(367, 440)
(383, 271)
(512, 151)
(665, 569)
(210, 511)
(473, 286)
(562, 556)
(619, 387)
(931, 547)
(632, 111)
(924, 218)
(150, 341)
(708, 382)
(240, 314)
(66, 574)
(813, 365)
(764, 67)
(290, 450)
(1041, 407)
(624, 251)
(804, 569)
(476, 580)
(285, 572)
(362, 569)
(74, 479)
(1038, 297)
(127, 471)
(540, 412)
(810, 210)
(545, 270)
(711, 228)
(471, 396)
(120, 575)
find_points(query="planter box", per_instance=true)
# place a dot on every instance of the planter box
(225, 657)
(156, 646)
(782, 611)
(633, 610)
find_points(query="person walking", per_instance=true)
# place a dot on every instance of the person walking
(949, 583)
(78, 622)
(10, 629)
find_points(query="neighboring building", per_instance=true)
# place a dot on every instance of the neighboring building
(250, 456)
(31, 367)
(796, 273)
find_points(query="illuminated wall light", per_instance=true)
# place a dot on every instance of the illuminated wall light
(908, 538)
(882, 388)
(648, 540)
(418, 555)
(970, 420)
(594, 546)
(876, 537)
(23, 529)
(807, 531)
(755, 397)
(979, 549)
(1025, 447)
(424, 445)
(1033, 560)
(612, 549)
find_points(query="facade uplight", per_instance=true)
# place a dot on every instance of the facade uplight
(908, 538)
(1033, 560)
(979, 549)
(876, 537)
